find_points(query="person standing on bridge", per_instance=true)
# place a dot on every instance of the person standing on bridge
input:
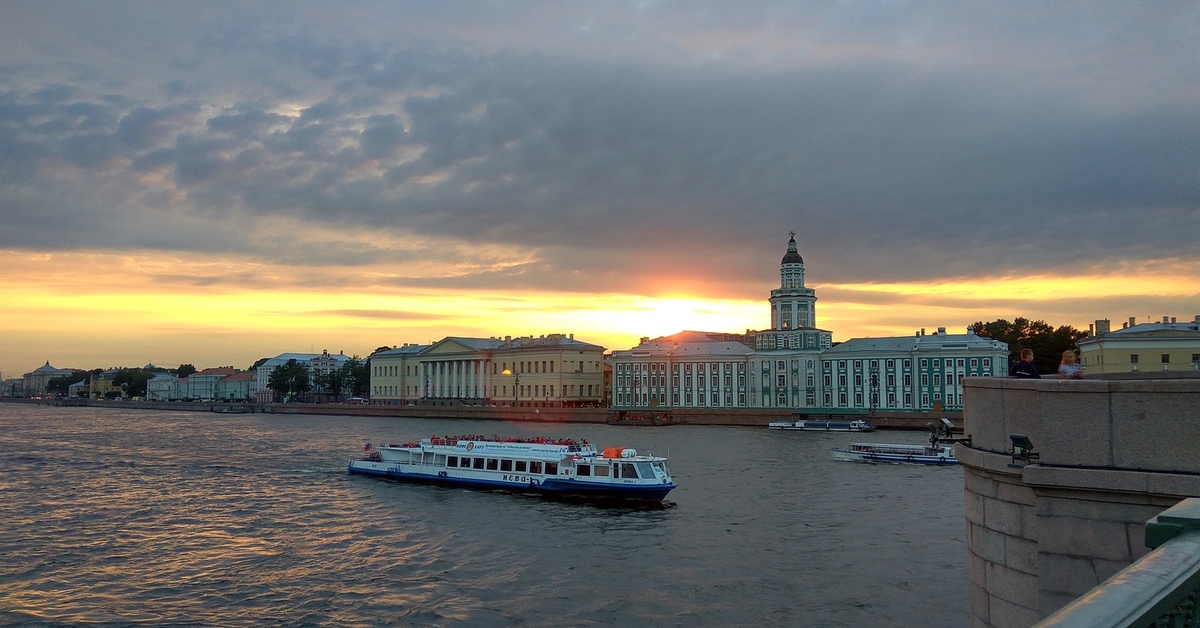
(1068, 369)
(1024, 367)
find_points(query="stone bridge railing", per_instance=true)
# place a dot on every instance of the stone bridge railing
(1108, 455)
(1160, 590)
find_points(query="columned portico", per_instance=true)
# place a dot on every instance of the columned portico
(454, 379)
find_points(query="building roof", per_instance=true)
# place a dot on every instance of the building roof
(283, 358)
(46, 368)
(714, 349)
(219, 370)
(408, 349)
(792, 256)
(548, 341)
(908, 344)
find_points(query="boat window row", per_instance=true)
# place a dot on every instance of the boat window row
(502, 464)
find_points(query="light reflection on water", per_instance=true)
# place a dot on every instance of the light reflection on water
(193, 518)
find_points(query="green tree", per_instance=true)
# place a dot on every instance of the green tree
(380, 349)
(358, 376)
(133, 381)
(351, 378)
(62, 385)
(184, 370)
(289, 380)
(330, 384)
(1047, 343)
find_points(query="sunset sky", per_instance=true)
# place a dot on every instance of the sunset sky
(212, 182)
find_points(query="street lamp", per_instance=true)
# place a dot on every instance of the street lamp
(516, 384)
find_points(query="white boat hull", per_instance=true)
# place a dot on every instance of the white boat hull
(569, 471)
(884, 452)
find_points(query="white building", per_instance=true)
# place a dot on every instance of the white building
(316, 363)
(908, 373)
(795, 364)
(35, 381)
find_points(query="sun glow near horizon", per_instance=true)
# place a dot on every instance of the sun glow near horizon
(102, 310)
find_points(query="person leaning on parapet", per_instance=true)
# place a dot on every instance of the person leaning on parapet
(1068, 369)
(1025, 367)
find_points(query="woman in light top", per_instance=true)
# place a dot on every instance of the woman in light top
(1068, 369)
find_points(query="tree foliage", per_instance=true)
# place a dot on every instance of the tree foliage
(351, 378)
(133, 381)
(183, 371)
(1046, 342)
(381, 349)
(61, 385)
(289, 380)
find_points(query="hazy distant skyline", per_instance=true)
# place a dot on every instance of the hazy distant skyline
(217, 182)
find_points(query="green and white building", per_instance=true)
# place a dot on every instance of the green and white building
(795, 365)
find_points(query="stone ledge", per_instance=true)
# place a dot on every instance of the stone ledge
(1111, 480)
(988, 461)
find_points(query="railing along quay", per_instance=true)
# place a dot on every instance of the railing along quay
(1161, 590)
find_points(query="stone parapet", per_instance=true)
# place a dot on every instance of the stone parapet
(1112, 454)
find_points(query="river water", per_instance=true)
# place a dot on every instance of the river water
(136, 517)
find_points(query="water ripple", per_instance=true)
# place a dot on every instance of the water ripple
(186, 519)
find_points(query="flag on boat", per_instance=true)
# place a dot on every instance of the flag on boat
(368, 447)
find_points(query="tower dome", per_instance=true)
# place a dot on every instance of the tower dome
(792, 256)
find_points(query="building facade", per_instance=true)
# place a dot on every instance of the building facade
(1165, 346)
(922, 372)
(316, 363)
(554, 370)
(795, 364)
(34, 382)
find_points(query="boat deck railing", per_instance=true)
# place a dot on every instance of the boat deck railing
(1160, 590)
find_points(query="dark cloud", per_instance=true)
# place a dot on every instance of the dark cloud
(903, 148)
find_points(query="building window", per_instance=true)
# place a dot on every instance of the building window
(1166, 358)
(1133, 358)
(842, 398)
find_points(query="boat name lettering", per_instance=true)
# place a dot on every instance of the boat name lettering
(516, 478)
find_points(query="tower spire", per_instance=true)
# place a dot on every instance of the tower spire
(792, 305)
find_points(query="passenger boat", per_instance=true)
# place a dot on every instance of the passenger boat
(822, 425)
(562, 467)
(887, 452)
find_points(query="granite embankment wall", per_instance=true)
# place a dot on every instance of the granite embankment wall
(1112, 454)
(736, 417)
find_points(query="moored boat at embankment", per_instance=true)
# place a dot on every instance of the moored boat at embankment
(561, 467)
(890, 452)
(823, 425)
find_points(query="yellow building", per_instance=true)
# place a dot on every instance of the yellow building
(102, 386)
(554, 370)
(1148, 347)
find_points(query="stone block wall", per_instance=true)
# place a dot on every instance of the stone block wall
(1113, 454)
